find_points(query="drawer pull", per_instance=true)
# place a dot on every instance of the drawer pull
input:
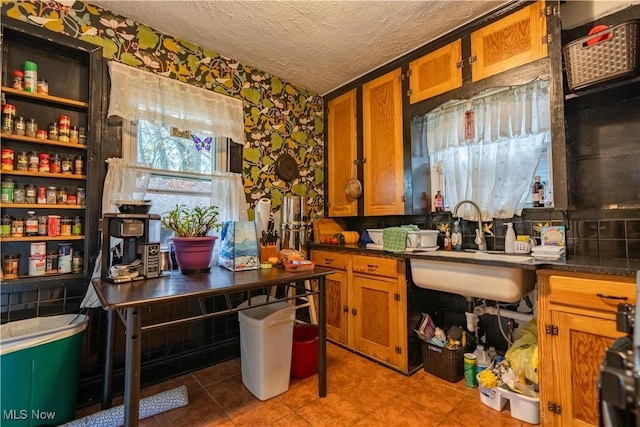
(372, 267)
(328, 260)
(612, 297)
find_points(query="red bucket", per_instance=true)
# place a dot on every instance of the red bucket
(304, 355)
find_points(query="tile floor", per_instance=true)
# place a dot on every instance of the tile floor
(359, 393)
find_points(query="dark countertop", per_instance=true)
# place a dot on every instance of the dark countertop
(606, 266)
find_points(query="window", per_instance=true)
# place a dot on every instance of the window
(489, 148)
(181, 164)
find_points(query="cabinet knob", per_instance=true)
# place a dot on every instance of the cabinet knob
(328, 260)
(611, 297)
(372, 267)
(345, 309)
(354, 311)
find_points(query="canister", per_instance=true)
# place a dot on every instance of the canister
(61, 196)
(33, 160)
(76, 226)
(42, 225)
(66, 167)
(7, 191)
(41, 134)
(19, 194)
(17, 227)
(22, 163)
(30, 76)
(53, 225)
(20, 126)
(5, 226)
(80, 195)
(82, 136)
(31, 192)
(7, 159)
(52, 262)
(31, 127)
(56, 163)
(470, 370)
(38, 249)
(78, 165)
(44, 164)
(41, 195)
(51, 195)
(73, 134)
(10, 266)
(65, 253)
(37, 265)
(53, 131)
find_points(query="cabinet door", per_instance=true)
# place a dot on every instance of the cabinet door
(383, 145)
(374, 314)
(341, 153)
(435, 73)
(510, 42)
(578, 350)
(337, 309)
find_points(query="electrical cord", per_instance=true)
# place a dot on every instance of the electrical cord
(500, 325)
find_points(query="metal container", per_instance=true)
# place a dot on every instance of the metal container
(294, 223)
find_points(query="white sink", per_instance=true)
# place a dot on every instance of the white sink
(497, 283)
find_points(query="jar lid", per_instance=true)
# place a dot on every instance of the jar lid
(30, 66)
(18, 73)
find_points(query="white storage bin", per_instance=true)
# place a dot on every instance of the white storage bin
(266, 340)
(492, 398)
(523, 408)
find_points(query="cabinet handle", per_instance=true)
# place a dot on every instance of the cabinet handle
(372, 267)
(328, 260)
(345, 309)
(354, 311)
(612, 297)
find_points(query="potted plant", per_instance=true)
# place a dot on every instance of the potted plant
(192, 244)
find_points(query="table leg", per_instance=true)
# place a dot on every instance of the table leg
(108, 361)
(322, 338)
(132, 368)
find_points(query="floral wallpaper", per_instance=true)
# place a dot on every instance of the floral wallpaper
(280, 118)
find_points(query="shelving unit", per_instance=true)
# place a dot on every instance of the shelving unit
(73, 71)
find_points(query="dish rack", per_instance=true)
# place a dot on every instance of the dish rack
(522, 247)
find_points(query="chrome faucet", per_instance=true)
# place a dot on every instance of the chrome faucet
(480, 240)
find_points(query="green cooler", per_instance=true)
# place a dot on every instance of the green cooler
(39, 367)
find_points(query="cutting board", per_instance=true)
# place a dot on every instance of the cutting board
(327, 227)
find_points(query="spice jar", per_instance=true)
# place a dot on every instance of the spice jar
(17, 227)
(44, 164)
(51, 195)
(80, 196)
(56, 163)
(19, 194)
(65, 226)
(20, 126)
(53, 131)
(22, 163)
(5, 226)
(10, 266)
(18, 80)
(43, 87)
(7, 187)
(8, 117)
(77, 261)
(73, 134)
(30, 193)
(82, 136)
(7, 159)
(31, 126)
(78, 165)
(41, 195)
(33, 161)
(31, 224)
(76, 226)
(61, 196)
(42, 225)
(41, 134)
(66, 165)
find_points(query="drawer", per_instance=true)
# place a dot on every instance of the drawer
(374, 266)
(335, 260)
(597, 294)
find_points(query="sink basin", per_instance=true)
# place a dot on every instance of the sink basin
(497, 283)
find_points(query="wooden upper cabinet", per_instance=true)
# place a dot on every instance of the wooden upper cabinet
(383, 145)
(436, 72)
(342, 153)
(512, 41)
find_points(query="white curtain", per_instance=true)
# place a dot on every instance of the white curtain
(488, 147)
(227, 192)
(124, 181)
(138, 94)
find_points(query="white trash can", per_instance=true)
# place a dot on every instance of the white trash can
(266, 340)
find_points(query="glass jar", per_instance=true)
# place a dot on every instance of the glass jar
(53, 131)
(31, 127)
(52, 195)
(10, 266)
(65, 226)
(73, 134)
(22, 162)
(76, 226)
(78, 165)
(19, 194)
(56, 163)
(7, 159)
(30, 194)
(52, 262)
(42, 225)
(77, 262)
(20, 126)
(80, 196)
(18, 80)
(43, 87)
(66, 167)
(7, 190)
(82, 136)
(44, 164)
(61, 196)
(5, 226)
(31, 224)
(17, 227)
(33, 161)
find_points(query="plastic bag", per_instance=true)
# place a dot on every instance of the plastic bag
(523, 353)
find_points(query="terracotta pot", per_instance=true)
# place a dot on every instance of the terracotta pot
(193, 254)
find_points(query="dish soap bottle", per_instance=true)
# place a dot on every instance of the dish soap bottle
(510, 239)
(456, 236)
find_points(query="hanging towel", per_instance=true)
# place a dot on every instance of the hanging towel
(394, 239)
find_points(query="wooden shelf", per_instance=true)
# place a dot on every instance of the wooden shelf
(39, 141)
(39, 238)
(44, 281)
(39, 206)
(45, 98)
(45, 175)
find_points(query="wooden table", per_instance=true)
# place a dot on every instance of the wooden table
(126, 299)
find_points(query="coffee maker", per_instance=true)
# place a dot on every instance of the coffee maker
(140, 257)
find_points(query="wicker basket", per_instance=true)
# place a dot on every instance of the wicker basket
(445, 363)
(606, 55)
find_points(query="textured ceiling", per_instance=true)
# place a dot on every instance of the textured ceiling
(319, 45)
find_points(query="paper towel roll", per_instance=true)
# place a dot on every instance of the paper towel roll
(263, 212)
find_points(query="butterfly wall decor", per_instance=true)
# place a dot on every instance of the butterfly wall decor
(200, 144)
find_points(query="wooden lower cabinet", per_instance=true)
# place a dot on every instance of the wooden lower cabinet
(576, 324)
(366, 305)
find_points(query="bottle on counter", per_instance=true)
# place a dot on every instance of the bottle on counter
(537, 191)
(439, 202)
(510, 239)
(447, 241)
